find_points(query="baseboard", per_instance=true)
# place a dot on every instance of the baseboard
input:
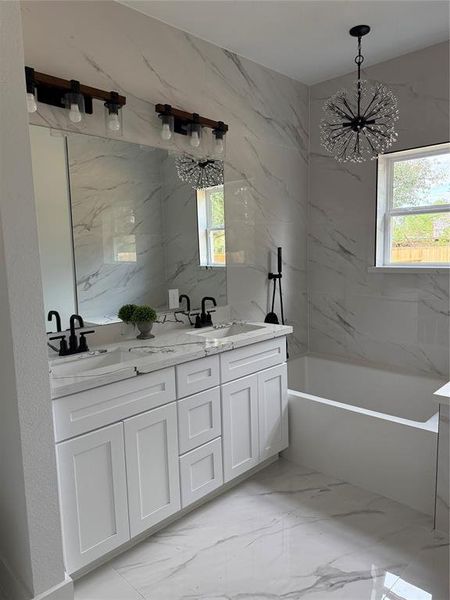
(61, 591)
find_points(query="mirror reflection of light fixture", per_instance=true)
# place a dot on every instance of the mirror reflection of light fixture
(74, 101)
(359, 123)
(195, 131)
(31, 90)
(113, 115)
(199, 172)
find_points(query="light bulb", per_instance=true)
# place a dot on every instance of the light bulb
(74, 113)
(166, 134)
(195, 139)
(218, 145)
(113, 122)
(31, 103)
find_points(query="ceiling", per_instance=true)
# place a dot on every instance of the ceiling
(306, 39)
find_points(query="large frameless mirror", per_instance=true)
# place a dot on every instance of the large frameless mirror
(117, 225)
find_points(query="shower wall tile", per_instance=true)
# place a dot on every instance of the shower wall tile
(397, 319)
(266, 170)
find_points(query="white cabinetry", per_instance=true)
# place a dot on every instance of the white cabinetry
(240, 426)
(93, 495)
(151, 450)
(272, 411)
(199, 419)
(137, 454)
(201, 471)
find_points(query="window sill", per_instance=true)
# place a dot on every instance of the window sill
(411, 270)
(212, 266)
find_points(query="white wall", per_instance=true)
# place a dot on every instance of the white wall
(30, 542)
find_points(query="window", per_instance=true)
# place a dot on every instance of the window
(211, 228)
(413, 216)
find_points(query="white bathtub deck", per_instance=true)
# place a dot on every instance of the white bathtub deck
(287, 533)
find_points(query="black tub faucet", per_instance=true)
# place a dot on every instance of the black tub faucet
(55, 313)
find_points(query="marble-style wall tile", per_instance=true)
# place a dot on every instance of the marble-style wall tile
(397, 319)
(117, 225)
(181, 248)
(110, 46)
(443, 476)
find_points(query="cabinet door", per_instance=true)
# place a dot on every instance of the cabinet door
(151, 449)
(201, 471)
(272, 410)
(93, 495)
(199, 419)
(240, 426)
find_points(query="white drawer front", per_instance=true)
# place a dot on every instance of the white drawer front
(197, 375)
(199, 419)
(250, 359)
(79, 413)
(201, 472)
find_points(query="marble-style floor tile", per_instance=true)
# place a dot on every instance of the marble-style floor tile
(290, 533)
(105, 584)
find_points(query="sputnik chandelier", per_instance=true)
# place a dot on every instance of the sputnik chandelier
(199, 172)
(359, 123)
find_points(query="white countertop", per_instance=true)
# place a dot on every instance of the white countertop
(444, 394)
(165, 350)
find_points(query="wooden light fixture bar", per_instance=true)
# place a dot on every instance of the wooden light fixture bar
(183, 119)
(51, 90)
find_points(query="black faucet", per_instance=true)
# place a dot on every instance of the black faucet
(188, 302)
(73, 339)
(74, 346)
(204, 320)
(55, 313)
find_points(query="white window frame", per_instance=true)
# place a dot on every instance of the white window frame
(206, 228)
(385, 209)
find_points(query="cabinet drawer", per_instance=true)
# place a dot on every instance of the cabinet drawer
(201, 472)
(197, 375)
(250, 359)
(79, 413)
(199, 419)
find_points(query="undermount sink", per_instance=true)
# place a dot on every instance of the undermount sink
(84, 364)
(220, 333)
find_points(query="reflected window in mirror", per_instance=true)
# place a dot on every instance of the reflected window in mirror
(211, 226)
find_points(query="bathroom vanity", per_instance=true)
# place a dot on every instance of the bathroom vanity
(181, 417)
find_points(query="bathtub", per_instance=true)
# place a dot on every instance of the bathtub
(371, 427)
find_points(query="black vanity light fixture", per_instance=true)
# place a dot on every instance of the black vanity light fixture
(174, 120)
(359, 123)
(74, 96)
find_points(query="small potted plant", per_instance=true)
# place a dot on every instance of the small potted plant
(125, 314)
(143, 317)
